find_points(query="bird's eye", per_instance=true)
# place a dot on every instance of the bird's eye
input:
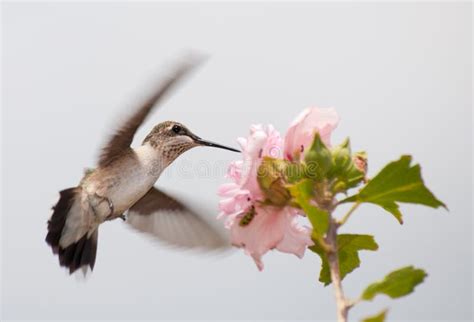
(176, 129)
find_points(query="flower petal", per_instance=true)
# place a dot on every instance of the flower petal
(271, 228)
(302, 130)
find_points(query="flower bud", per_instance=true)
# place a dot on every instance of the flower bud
(318, 159)
(360, 161)
(342, 159)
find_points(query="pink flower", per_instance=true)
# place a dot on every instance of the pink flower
(301, 132)
(244, 190)
(262, 141)
(270, 227)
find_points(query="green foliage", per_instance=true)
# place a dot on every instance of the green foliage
(311, 183)
(380, 317)
(397, 182)
(348, 247)
(392, 208)
(302, 193)
(396, 284)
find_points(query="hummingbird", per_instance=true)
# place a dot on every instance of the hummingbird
(123, 183)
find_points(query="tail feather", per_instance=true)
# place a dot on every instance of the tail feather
(79, 253)
(58, 219)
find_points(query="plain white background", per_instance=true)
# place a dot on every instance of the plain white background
(399, 75)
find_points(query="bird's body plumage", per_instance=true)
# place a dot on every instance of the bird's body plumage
(123, 181)
(127, 178)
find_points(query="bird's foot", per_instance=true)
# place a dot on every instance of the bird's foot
(109, 203)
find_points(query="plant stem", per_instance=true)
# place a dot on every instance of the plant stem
(343, 305)
(349, 213)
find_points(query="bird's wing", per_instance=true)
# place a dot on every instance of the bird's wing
(170, 221)
(123, 137)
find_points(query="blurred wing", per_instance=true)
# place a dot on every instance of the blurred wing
(123, 137)
(170, 221)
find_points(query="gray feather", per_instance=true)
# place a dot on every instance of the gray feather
(170, 221)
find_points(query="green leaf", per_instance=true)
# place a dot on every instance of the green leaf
(348, 247)
(302, 193)
(397, 182)
(380, 317)
(318, 159)
(392, 208)
(396, 284)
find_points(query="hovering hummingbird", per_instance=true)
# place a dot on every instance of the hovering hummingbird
(123, 181)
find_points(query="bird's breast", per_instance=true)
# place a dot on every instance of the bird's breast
(128, 179)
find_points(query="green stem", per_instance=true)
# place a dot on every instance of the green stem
(348, 214)
(342, 303)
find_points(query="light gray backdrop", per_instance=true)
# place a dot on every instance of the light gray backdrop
(399, 75)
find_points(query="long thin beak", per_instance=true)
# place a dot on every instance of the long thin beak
(200, 141)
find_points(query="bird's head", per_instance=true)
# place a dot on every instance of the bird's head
(173, 138)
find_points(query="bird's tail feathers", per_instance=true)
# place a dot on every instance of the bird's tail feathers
(75, 244)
